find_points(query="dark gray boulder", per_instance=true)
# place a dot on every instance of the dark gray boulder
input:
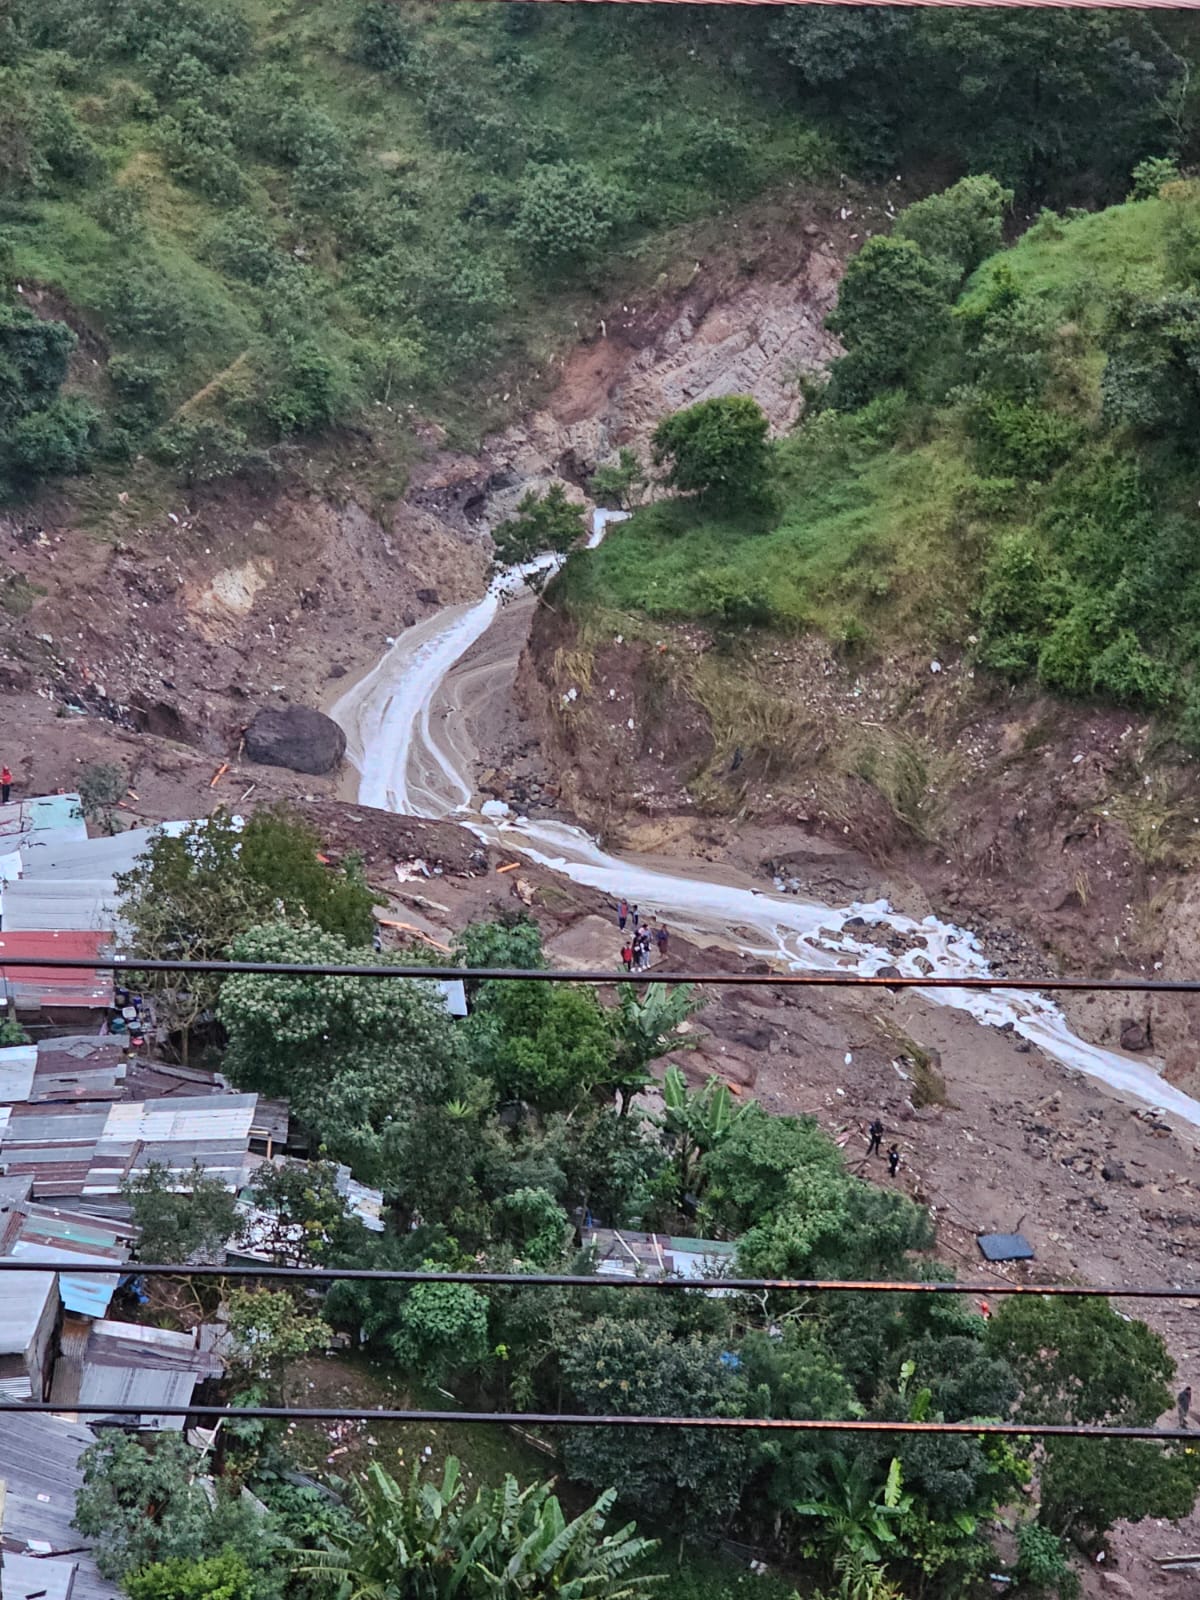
(297, 737)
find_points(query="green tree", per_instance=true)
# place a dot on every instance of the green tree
(695, 1123)
(855, 1515)
(893, 308)
(959, 227)
(303, 1219)
(687, 1478)
(438, 1329)
(566, 213)
(547, 1043)
(1078, 1361)
(180, 1219)
(187, 899)
(140, 1506)
(268, 1332)
(283, 854)
(620, 483)
(429, 1541)
(543, 522)
(717, 448)
(353, 1055)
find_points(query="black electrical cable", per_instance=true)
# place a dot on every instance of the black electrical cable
(554, 1419)
(568, 1280)
(816, 980)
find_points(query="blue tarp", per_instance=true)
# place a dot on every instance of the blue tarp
(1005, 1247)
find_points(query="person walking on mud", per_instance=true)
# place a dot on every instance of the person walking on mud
(5, 785)
(634, 913)
(876, 1137)
(1184, 1403)
(622, 914)
(663, 937)
(893, 1160)
(627, 956)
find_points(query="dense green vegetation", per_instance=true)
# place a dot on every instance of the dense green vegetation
(1003, 460)
(490, 1138)
(268, 218)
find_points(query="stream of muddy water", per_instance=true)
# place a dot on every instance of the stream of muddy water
(400, 722)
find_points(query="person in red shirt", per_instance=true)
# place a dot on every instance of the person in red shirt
(5, 785)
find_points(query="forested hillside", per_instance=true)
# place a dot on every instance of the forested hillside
(265, 218)
(1003, 461)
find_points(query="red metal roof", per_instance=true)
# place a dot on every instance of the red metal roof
(54, 986)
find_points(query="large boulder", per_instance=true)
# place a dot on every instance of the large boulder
(297, 737)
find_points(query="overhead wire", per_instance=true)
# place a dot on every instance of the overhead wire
(561, 1419)
(577, 1280)
(832, 979)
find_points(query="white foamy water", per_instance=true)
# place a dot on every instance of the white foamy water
(389, 740)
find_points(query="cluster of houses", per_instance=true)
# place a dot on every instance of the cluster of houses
(81, 1113)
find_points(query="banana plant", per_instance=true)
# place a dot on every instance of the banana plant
(645, 1029)
(854, 1517)
(696, 1121)
(430, 1542)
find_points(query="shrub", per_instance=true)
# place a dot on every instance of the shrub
(718, 447)
(204, 448)
(1150, 175)
(542, 522)
(1021, 439)
(380, 38)
(1043, 1563)
(566, 213)
(244, 247)
(893, 308)
(59, 438)
(960, 226)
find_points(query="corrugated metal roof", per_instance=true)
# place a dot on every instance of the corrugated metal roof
(454, 993)
(31, 1577)
(626, 1253)
(22, 1305)
(28, 825)
(211, 1130)
(135, 1344)
(44, 905)
(198, 1118)
(138, 1386)
(18, 1063)
(81, 1067)
(51, 1234)
(95, 858)
(33, 987)
(39, 1466)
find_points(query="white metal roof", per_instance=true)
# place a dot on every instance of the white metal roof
(21, 1307)
(18, 1063)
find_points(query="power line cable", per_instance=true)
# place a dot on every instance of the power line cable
(571, 1280)
(556, 1419)
(815, 980)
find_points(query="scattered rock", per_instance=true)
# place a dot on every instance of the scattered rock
(1134, 1035)
(297, 737)
(1114, 1583)
(337, 670)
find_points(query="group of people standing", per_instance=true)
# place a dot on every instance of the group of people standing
(638, 947)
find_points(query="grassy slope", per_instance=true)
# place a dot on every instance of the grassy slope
(886, 521)
(623, 105)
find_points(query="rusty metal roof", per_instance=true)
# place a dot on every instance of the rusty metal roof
(36, 988)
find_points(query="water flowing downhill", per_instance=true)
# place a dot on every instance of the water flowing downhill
(408, 765)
